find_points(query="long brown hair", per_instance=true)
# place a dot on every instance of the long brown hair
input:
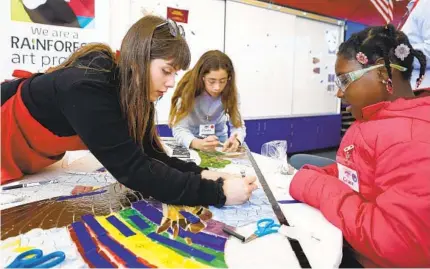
(192, 85)
(82, 52)
(147, 39)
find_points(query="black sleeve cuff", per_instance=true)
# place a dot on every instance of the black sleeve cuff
(197, 169)
(212, 192)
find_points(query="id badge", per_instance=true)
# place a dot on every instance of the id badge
(206, 129)
(348, 174)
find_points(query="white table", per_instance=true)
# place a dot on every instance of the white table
(272, 250)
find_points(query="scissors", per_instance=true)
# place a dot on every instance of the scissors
(34, 258)
(264, 227)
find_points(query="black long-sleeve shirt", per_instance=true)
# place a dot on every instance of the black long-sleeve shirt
(85, 102)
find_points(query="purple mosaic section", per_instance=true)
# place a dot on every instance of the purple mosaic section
(204, 239)
(131, 261)
(94, 225)
(89, 247)
(190, 217)
(120, 226)
(139, 222)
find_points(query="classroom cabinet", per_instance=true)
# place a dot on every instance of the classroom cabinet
(302, 133)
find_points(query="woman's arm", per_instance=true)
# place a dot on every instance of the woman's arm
(181, 132)
(154, 151)
(93, 110)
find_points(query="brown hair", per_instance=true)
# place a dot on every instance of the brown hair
(192, 85)
(147, 39)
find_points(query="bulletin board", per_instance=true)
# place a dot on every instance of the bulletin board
(284, 62)
(260, 43)
(314, 90)
(204, 30)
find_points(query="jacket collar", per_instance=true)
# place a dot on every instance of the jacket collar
(372, 111)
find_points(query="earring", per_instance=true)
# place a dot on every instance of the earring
(388, 85)
(419, 81)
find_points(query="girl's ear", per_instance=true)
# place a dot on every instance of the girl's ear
(382, 72)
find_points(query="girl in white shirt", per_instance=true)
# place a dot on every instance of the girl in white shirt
(206, 99)
(417, 28)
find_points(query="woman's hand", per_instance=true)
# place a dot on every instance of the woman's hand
(238, 190)
(207, 144)
(232, 144)
(214, 175)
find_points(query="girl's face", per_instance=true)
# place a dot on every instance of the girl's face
(365, 91)
(163, 76)
(215, 82)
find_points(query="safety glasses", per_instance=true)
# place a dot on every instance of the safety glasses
(344, 80)
(174, 29)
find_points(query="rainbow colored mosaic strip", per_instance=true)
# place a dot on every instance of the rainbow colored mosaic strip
(129, 238)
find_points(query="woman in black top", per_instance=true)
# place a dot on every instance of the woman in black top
(96, 101)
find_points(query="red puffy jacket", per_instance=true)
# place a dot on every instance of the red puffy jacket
(386, 219)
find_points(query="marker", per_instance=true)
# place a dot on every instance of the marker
(26, 185)
(233, 233)
(289, 202)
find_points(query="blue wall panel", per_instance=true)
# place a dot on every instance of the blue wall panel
(301, 133)
(353, 27)
(164, 130)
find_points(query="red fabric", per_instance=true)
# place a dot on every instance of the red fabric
(17, 73)
(27, 146)
(361, 11)
(388, 221)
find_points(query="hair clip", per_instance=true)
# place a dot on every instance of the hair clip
(361, 58)
(402, 51)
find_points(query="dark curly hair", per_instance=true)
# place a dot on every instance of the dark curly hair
(381, 42)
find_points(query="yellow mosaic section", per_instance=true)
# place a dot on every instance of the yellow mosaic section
(147, 249)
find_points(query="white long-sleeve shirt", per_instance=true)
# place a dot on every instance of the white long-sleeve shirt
(417, 28)
(207, 110)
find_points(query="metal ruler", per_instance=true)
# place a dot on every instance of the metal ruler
(295, 244)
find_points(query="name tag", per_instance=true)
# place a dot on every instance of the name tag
(206, 129)
(349, 177)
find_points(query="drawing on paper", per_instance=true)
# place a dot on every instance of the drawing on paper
(114, 227)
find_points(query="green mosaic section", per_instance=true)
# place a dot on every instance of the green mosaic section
(212, 160)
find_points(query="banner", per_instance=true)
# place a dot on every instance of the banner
(38, 34)
(178, 15)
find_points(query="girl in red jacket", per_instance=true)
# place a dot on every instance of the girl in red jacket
(97, 102)
(378, 191)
